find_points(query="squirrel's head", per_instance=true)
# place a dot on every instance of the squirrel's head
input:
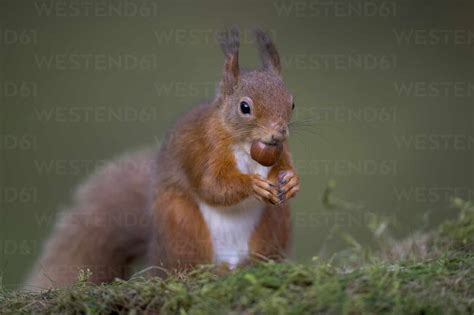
(255, 105)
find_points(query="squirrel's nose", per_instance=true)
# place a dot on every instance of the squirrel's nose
(276, 138)
(280, 134)
(283, 131)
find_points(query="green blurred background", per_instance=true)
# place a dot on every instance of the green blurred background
(387, 85)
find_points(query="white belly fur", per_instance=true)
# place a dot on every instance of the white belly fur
(231, 227)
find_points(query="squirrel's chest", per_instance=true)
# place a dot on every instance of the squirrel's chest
(231, 227)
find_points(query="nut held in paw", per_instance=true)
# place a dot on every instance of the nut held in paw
(265, 154)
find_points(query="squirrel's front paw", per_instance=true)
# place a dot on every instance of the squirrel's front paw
(265, 190)
(288, 185)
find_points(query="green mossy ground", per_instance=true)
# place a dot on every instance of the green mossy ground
(439, 281)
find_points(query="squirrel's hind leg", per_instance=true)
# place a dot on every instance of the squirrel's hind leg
(182, 239)
(272, 237)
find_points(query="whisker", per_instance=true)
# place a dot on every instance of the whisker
(309, 121)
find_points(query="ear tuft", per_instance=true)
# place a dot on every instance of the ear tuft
(229, 41)
(268, 52)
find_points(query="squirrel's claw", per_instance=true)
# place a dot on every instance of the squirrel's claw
(289, 184)
(264, 190)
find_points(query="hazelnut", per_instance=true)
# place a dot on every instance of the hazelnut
(265, 154)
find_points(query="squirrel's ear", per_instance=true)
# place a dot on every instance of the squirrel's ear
(229, 41)
(268, 52)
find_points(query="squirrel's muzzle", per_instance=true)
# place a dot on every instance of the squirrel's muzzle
(276, 134)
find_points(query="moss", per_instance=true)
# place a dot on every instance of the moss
(459, 235)
(439, 283)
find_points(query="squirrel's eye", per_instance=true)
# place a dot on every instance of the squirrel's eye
(293, 106)
(245, 108)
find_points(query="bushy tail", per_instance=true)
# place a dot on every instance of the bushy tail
(108, 227)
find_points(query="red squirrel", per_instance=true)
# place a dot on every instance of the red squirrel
(201, 199)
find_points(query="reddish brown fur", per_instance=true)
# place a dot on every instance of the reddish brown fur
(195, 163)
(272, 237)
(108, 227)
